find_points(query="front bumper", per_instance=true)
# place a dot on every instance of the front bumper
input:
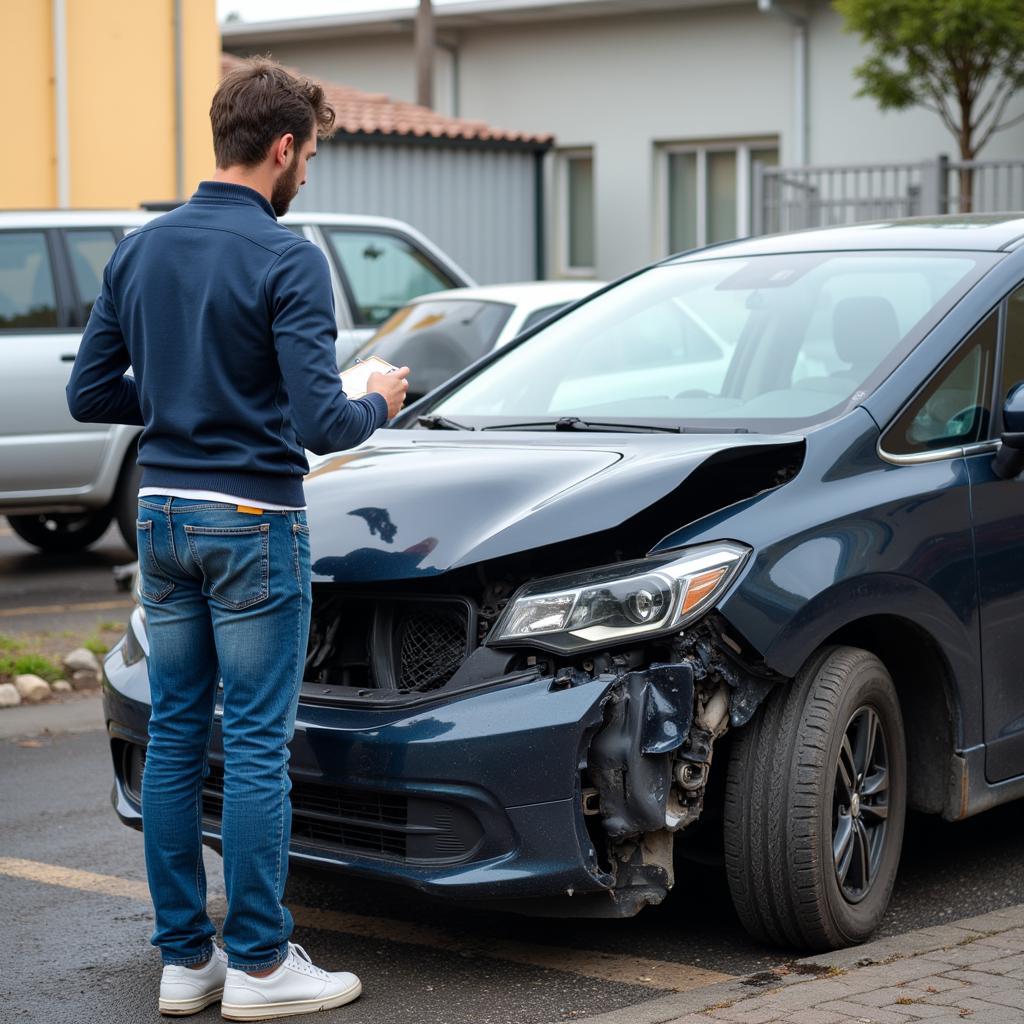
(477, 797)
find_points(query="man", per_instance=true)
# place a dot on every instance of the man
(227, 321)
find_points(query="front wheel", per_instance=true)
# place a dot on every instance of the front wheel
(61, 532)
(815, 800)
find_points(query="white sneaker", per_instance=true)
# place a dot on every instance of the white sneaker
(296, 986)
(184, 990)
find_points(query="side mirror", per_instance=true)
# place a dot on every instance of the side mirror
(1009, 460)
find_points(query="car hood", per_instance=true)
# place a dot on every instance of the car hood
(414, 503)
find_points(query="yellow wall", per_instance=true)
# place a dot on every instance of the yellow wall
(120, 74)
(28, 174)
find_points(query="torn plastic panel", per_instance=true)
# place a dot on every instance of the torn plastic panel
(650, 761)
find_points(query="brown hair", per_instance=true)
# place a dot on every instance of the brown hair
(258, 102)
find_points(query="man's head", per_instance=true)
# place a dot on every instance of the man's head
(266, 119)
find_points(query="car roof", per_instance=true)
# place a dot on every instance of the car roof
(984, 232)
(527, 293)
(133, 218)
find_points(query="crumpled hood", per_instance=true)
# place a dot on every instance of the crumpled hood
(414, 503)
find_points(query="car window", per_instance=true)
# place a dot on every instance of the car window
(27, 296)
(955, 406)
(757, 343)
(384, 272)
(1013, 343)
(437, 339)
(89, 252)
(540, 314)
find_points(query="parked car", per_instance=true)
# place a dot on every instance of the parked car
(61, 482)
(441, 333)
(553, 644)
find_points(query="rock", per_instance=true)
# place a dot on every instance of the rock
(82, 660)
(32, 688)
(9, 696)
(61, 686)
(83, 680)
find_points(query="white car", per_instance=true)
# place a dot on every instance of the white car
(441, 333)
(61, 482)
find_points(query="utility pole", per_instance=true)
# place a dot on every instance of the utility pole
(425, 54)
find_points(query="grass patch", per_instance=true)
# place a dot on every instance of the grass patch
(96, 645)
(8, 643)
(29, 664)
(111, 627)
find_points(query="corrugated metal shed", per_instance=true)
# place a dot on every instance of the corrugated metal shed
(479, 205)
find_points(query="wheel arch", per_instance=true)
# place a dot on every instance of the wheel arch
(931, 709)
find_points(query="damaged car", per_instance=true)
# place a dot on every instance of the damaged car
(582, 625)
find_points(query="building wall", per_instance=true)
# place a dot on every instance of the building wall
(120, 94)
(477, 205)
(626, 85)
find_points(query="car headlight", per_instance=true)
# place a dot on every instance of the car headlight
(619, 602)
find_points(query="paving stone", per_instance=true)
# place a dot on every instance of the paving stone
(860, 1012)
(972, 977)
(879, 996)
(741, 1013)
(815, 1017)
(935, 983)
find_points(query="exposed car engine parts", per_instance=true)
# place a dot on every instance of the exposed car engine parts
(651, 760)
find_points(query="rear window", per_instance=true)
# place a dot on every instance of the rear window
(27, 296)
(437, 339)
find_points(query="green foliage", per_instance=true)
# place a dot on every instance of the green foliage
(963, 59)
(110, 626)
(96, 645)
(29, 664)
(8, 643)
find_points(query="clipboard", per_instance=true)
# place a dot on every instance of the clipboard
(355, 378)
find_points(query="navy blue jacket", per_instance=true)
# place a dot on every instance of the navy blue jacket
(227, 320)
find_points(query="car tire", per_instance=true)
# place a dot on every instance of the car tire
(126, 499)
(788, 809)
(62, 532)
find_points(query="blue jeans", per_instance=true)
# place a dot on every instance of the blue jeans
(227, 596)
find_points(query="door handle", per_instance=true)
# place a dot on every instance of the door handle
(68, 357)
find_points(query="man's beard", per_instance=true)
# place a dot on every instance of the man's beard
(286, 188)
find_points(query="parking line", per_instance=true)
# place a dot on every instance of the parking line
(84, 606)
(662, 975)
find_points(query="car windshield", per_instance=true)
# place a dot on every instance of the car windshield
(764, 343)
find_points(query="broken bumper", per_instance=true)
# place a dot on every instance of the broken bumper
(475, 798)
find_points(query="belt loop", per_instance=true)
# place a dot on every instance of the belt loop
(167, 507)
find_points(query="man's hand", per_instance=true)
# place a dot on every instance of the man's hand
(393, 386)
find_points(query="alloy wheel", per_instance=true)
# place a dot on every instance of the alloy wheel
(860, 804)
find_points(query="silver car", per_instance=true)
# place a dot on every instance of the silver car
(62, 482)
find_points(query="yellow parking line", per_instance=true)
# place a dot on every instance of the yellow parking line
(52, 609)
(628, 970)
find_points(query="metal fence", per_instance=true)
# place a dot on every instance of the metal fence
(790, 198)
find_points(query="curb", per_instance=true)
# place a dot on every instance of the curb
(74, 714)
(668, 1008)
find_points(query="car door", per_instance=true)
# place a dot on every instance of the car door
(998, 513)
(44, 453)
(380, 270)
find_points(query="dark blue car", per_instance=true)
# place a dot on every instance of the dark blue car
(727, 559)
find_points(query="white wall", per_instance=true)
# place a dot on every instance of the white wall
(624, 84)
(845, 129)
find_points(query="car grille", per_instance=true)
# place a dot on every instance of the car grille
(371, 823)
(387, 643)
(432, 645)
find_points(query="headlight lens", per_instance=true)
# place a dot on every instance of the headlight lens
(619, 602)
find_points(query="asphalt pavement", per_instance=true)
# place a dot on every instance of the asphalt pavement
(77, 921)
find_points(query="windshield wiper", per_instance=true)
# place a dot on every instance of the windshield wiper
(435, 422)
(575, 423)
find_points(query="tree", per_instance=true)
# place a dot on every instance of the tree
(963, 59)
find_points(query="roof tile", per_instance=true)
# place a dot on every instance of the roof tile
(373, 113)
